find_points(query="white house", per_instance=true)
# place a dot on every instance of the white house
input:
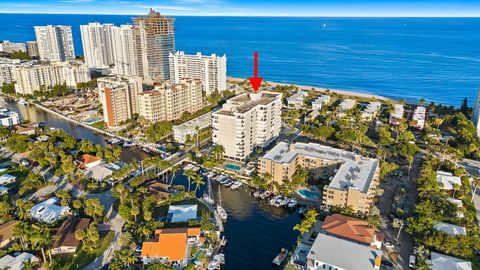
(450, 229)
(16, 263)
(296, 100)
(444, 262)
(396, 115)
(459, 204)
(101, 171)
(48, 211)
(371, 110)
(7, 179)
(9, 118)
(318, 103)
(446, 180)
(419, 117)
(182, 213)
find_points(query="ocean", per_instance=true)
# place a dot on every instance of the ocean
(433, 58)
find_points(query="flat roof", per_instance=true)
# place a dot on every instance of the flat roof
(245, 102)
(343, 253)
(182, 213)
(202, 121)
(355, 172)
(450, 229)
(444, 262)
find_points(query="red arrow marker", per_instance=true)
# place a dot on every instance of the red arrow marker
(255, 81)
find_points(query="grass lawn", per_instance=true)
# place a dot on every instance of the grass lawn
(100, 125)
(82, 258)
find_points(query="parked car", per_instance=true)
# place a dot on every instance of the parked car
(412, 261)
(388, 244)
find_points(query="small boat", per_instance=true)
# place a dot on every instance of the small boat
(208, 199)
(236, 185)
(215, 263)
(223, 181)
(228, 183)
(221, 212)
(22, 101)
(302, 210)
(256, 194)
(284, 202)
(280, 257)
(273, 200)
(114, 141)
(292, 203)
(128, 144)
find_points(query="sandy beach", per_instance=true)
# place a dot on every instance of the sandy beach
(322, 89)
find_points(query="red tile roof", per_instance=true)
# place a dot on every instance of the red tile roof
(349, 228)
(171, 243)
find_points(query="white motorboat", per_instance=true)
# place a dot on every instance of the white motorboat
(215, 263)
(273, 200)
(280, 257)
(228, 183)
(256, 194)
(221, 212)
(236, 185)
(292, 203)
(22, 101)
(208, 199)
(284, 202)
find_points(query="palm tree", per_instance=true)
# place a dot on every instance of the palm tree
(23, 208)
(218, 151)
(28, 264)
(80, 235)
(190, 174)
(5, 210)
(198, 181)
(455, 188)
(125, 239)
(475, 184)
(125, 257)
(173, 170)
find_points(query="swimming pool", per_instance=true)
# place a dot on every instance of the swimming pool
(232, 167)
(308, 194)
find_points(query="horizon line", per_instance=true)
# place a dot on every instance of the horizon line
(231, 15)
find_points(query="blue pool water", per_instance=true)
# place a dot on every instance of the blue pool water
(434, 58)
(232, 167)
(309, 194)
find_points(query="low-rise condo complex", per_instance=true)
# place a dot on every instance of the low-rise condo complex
(371, 110)
(189, 129)
(355, 177)
(10, 47)
(418, 117)
(296, 100)
(247, 121)
(210, 69)
(119, 98)
(320, 101)
(168, 101)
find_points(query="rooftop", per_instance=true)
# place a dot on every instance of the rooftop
(171, 243)
(347, 104)
(202, 121)
(447, 180)
(66, 234)
(48, 211)
(444, 262)
(355, 172)
(245, 102)
(343, 254)
(16, 263)
(6, 230)
(450, 229)
(349, 228)
(182, 213)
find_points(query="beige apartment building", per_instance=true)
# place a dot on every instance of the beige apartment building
(247, 121)
(168, 101)
(119, 98)
(354, 181)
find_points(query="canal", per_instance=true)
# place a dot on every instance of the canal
(37, 115)
(255, 231)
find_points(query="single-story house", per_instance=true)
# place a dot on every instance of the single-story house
(66, 242)
(87, 161)
(170, 245)
(446, 180)
(16, 263)
(101, 171)
(160, 190)
(330, 252)
(459, 204)
(182, 213)
(444, 262)
(48, 211)
(6, 232)
(25, 129)
(450, 229)
(7, 179)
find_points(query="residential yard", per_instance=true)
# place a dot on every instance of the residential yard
(82, 258)
(162, 210)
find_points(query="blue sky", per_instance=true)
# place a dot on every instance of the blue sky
(365, 8)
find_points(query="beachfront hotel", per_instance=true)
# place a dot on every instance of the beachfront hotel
(119, 98)
(245, 122)
(55, 42)
(168, 101)
(354, 180)
(154, 36)
(210, 69)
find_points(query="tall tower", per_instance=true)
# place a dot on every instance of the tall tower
(55, 43)
(97, 42)
(154, 40)
(476, 112)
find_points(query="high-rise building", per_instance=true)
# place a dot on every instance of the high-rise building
(476, 113)
(55, 43)
(247, 121)
(30, 77)
(97, 44)
(124, 58)
(119, 98)
(212, 70)
(154, 41)
(32, 48)
(168, 101)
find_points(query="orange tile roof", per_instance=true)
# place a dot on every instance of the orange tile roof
(86, 158)
(349, 228)
(171, 243)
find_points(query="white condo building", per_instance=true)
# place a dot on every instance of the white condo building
(10, 47)
(247, 121)
(419, 117)
(476, 113)
(211, 70)
(32, 48)
(31, 76)
(119, 98)
(397, 115)
(55, 43)
(107, 45)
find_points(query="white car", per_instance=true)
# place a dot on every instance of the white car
(388, 245)
(412, 261)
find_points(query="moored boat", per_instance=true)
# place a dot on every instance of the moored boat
(221, 212)
(215, 263)
(236, 185)
(280, 257)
